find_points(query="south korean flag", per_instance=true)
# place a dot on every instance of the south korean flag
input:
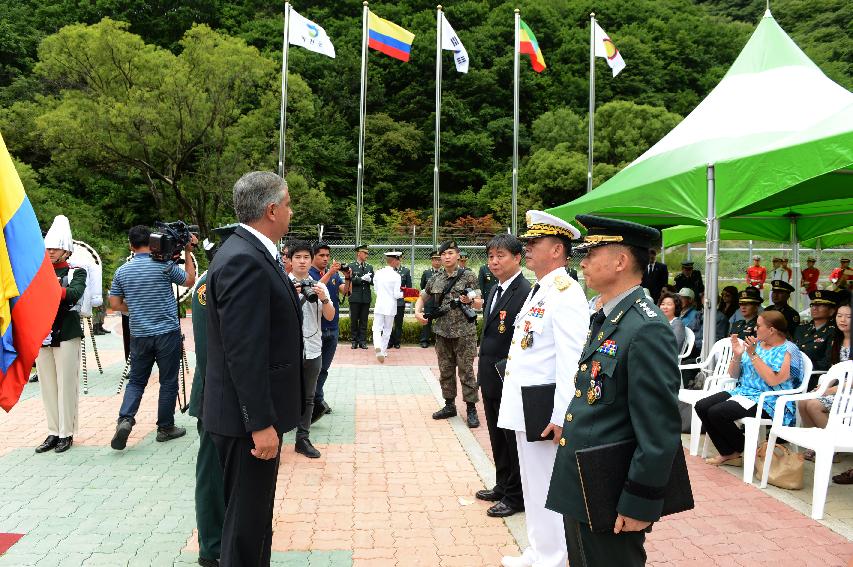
(451, 42)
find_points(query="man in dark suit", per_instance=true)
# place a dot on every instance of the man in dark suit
(502, 305)
(655, 276)
(254, 389)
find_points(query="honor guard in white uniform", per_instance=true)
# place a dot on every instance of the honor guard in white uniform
(548, 335)
(387, 284)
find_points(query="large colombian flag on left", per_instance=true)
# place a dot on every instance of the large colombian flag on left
(388, 37)
(29, 291)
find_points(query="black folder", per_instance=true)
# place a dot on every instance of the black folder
(537, 402)
(500, 367)
(603, 472)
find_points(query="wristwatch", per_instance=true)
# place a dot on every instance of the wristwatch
(325, 301)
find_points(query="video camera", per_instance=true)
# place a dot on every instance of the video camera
(308, 292)
(467, 310)
(170, 238)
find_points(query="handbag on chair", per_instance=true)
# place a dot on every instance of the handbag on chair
(786, 468)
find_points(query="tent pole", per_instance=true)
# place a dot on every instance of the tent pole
(795, 258)
(712, 249)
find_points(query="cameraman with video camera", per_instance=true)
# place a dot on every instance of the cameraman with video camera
(143, 289)
(447, 301)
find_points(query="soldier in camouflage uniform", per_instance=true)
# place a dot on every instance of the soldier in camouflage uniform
(455, 334)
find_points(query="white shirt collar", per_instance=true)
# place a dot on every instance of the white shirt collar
(505, 285)
(268, 244)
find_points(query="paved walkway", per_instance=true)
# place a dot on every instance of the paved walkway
(393, 487)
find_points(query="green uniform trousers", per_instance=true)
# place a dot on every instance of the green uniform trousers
(209, 496)
(605, 549)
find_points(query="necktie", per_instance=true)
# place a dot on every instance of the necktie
(496, 299)
(535, 289)
(650, 268)
(595, 323)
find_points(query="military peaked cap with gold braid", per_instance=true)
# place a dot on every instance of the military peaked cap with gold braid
(540, 223)
(824, 297)
(602, 231)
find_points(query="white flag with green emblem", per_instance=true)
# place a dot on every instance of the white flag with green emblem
(307, 34)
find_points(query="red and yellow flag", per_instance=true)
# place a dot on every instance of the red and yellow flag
(527, 44)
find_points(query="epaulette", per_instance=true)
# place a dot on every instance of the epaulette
(643, 307)
(562, 283)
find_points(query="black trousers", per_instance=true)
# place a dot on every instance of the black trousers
(358, 313)
(603, 549)
(505, 453)
(249, 494)
(397, 332)
(718, 415)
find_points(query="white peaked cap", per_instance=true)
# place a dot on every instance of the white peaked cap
(540, 223)
(59, 235)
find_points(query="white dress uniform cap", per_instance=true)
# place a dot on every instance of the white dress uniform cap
(394, 253)
(59, 235)
(540, 223)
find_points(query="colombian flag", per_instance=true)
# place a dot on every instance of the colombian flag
(388, 37)
(29, 292)
(527, 44)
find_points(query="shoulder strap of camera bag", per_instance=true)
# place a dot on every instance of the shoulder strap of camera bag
(450, 283)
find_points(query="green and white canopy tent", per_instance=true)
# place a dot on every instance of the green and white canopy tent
(683, 234)
(769, 152)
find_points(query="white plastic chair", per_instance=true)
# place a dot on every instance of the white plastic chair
(836, 437)
(754, 428)
(716, 369)
(689, 341)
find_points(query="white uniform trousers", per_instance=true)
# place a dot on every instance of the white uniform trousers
(545, 530)
(382, 327)
(59, 378)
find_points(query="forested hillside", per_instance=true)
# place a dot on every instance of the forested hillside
(122, 112)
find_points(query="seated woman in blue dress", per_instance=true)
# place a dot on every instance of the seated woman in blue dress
(768, 361)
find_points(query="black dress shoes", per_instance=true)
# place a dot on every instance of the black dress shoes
(362, 346)
(64, 444)
(208, 562)
(501, 510)
(304, 447)
(319, 411)
(354, 346)
(48, 444)
(424, 345)
(488, 495)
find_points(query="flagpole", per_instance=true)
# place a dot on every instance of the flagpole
(591, 99)
(359, 190)
(514, 223)
(283, 111)
(435, 177)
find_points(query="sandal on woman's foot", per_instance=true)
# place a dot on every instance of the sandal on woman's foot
(844, 478)
(719, 460)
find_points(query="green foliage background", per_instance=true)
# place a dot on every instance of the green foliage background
(122, 112)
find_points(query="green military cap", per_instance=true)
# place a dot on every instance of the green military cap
(447, 245)
(687, 264)
(824, 297)
(781, 285)
(362, 247)
(221, 234)
(602, 231)
(463, 254)
(749, 295)
(434, 254)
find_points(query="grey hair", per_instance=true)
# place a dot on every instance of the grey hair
(254, 192)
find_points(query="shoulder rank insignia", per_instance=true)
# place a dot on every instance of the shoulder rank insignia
(562, 283)
(646, 309)
(619, 316)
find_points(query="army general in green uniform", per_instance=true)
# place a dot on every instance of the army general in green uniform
(815, 338)
(749, 301)
(626, 388)
(209, 487)
(780, 294)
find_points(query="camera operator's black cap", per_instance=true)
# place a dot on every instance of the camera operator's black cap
(781, 285)
(602, 231)
(447, 245)
(361, 247)
(750, 295)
